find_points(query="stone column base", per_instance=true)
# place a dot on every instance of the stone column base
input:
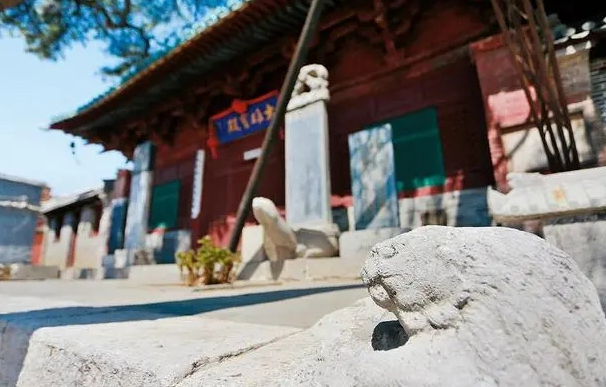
(317, 241)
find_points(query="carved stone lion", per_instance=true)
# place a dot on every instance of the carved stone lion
(427, 277)
(311, 77)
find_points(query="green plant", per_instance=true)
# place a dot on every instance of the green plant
(5, 273)
(208, 264)
(188, 260)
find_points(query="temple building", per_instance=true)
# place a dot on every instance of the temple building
(418, 94)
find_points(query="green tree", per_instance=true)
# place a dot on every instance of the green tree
(132, 30)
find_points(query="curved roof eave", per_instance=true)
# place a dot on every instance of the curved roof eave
(197, 56)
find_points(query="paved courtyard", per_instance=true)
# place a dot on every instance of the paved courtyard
(297, 305)
(97, 332)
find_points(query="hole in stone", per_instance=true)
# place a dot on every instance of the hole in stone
(388, 335)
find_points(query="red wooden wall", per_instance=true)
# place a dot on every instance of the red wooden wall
(454, 91)
(362, 94)
(225, 180)
(176, 162)
(497, 74)
(439, 72)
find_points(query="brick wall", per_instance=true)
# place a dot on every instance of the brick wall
(505, 103)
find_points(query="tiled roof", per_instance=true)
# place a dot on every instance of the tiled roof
(213, 16)
(58, 202)
(223, 36)
(22, 180)
(571, 34)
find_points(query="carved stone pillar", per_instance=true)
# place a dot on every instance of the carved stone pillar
(307, 152)
(307, 155)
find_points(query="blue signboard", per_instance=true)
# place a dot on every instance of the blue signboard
(244, 118)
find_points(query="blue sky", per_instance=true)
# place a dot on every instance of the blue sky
(32, 92)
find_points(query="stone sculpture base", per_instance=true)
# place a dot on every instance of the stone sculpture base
(281, 242)
(321, 241)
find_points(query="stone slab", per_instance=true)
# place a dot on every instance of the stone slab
(551, 196)
(525, 149)
(300, 269)
(264, 361)
(172, 242)
(74, 345)
(307, 165)
(355, 245)
(30, 272)
(309, 269)
(143, 157)
(583, 239)
(465, 208)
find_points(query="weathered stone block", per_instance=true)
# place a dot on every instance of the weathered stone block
(321, 241)
(583, 238)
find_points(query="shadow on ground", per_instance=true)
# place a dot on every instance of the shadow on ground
(28, 322)
(80, 315)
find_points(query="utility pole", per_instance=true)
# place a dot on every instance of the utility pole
(299, 57)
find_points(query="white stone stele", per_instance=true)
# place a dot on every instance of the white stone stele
(308, 188)
(535, 196)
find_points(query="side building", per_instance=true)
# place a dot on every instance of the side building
(19, 211)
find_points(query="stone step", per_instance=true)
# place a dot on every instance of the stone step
(48, 343)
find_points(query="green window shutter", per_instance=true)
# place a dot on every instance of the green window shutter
(417, 150)
(164, 208)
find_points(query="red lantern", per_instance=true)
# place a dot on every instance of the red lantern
(212, 142)
(239, 106)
